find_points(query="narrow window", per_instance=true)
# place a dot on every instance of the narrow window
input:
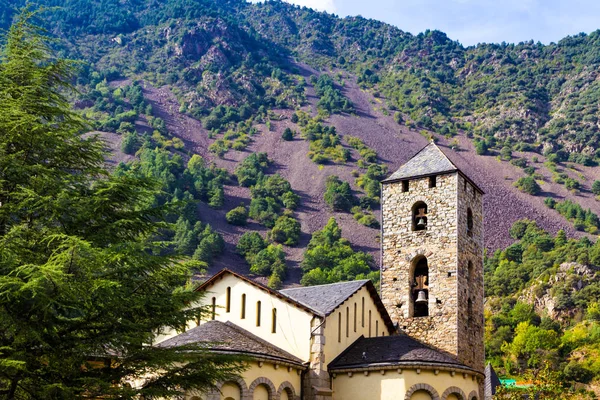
(369, 323)
(469, 222)
(258, 313)
(404, 186)
(432, 181)
(339, 327)
(354, 317)
(419, 216)
(214, 308)
(243, 314)
(228, 300)
(362, 312)
(376, 328)
(465, 185)
(274, 321)
(470, 272)
(347, 321)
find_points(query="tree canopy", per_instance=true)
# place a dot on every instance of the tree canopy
(82, 280)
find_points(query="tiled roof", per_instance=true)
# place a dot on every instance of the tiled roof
(429, 161)
(395, 350)
(228, 337)
(324, 298)
(491, 382)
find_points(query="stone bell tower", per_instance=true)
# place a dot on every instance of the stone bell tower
(432, 250)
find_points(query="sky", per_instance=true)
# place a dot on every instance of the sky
(476, 21)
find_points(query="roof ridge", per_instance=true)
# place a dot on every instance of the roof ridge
(325, 284)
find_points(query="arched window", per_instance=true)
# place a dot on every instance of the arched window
(274, 321)
(419, 216)
(420, 288)
(228, 300)
(469, 222)
(243, 313)
(214, 308)
(258, 313)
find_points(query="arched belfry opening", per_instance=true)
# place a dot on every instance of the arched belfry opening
(419, 216)
(420, 288)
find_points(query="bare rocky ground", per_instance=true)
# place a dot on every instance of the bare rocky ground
(394, 143)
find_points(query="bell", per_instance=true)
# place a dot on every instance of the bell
(421, 222)
(421, 297)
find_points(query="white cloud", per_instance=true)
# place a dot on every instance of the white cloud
(320, 5)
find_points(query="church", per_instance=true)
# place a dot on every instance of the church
(417, 337)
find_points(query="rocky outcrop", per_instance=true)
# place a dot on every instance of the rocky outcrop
(543, 295)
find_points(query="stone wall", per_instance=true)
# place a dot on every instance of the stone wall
(452, 325)
(402, 247)
(470, 283)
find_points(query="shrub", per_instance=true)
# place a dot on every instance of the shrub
(251, 169)
(250, 244)
(506, 153)
(550, 202)
(528, 185)
(130, 143)
(481, 147)
(596, 188)
(519, 162)
(286, 231)
(368, 220)
(338, 194)
(270, 259)
(237, 216)
(288, 134)
(572, 184)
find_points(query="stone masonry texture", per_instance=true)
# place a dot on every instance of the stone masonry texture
(453, 325)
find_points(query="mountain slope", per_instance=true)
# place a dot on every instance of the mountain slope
(206, 68)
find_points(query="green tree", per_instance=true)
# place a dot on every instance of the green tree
(330, 258)
(528, 185)
(269, 260)
(130, 143)
(237, 216)
(596, 188)
(288, 134)
(286, 231)
(78, 272)
(250, 244)
(338, 194)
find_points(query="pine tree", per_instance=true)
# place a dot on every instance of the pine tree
(80, 280)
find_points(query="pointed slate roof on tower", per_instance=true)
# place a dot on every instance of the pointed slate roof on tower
(429, 161)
